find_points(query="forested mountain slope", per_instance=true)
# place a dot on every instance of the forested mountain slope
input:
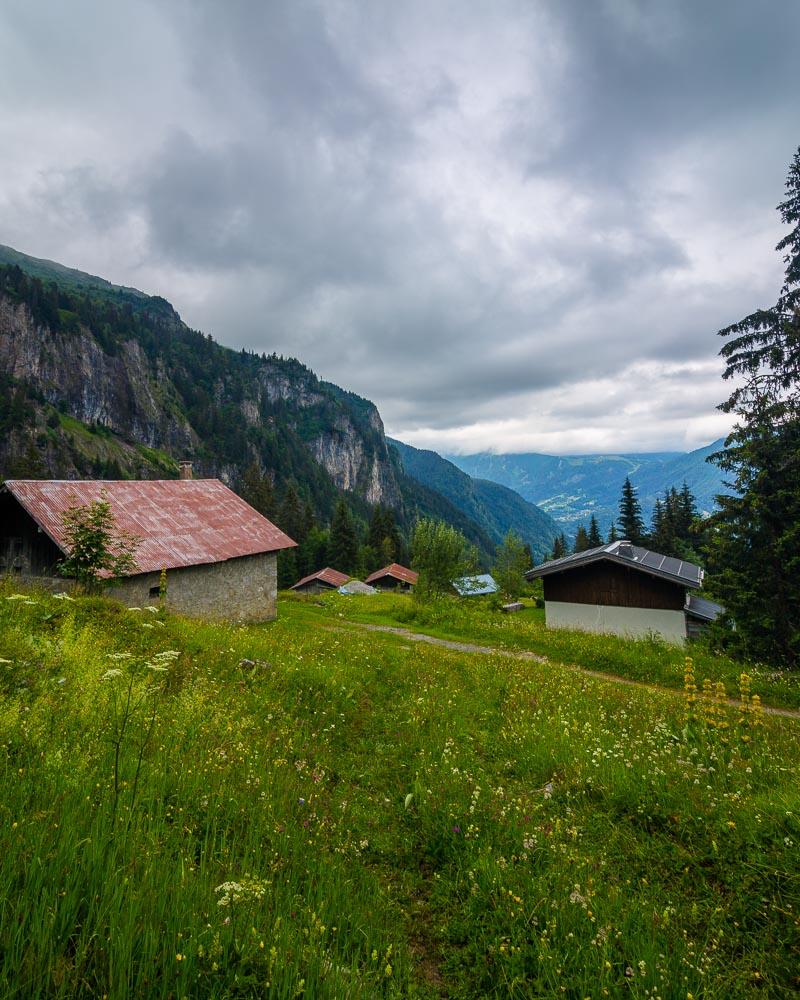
(499, 508)
(97, 380)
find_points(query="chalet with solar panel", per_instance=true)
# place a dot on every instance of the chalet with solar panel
(220, 555)
(624, 589)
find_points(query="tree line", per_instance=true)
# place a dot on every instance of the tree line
(676, 528)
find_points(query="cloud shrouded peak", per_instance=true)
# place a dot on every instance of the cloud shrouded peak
(514, 226)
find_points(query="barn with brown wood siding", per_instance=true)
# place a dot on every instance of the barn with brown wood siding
(624, 589)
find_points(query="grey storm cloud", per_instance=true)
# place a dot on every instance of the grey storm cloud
(511, 225)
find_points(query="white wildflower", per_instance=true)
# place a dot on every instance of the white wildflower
(109, 675)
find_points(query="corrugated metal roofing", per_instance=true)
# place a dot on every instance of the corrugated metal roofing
(397, 571)
(327, 575)
(476, 586)
(625, 554)
(181, 522)
(699, 607)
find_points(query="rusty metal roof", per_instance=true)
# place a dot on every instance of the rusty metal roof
(181, 522)
(394, 570)
(624, 553)
(327, 575)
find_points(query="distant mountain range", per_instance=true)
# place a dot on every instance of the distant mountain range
(573, 487)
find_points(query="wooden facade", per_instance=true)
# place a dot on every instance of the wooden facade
(612, 585)
(25, 550)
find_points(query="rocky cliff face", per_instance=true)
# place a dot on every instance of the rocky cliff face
(72, 372)
(225, 410)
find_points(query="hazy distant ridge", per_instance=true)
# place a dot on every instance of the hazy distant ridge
(573, 487)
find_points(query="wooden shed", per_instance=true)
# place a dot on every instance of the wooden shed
(623, 589)
(323, 579)
(393, 577)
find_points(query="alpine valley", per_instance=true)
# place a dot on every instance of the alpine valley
(99, 380)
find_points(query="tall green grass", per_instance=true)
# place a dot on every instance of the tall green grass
(479, 621)
(290, 810)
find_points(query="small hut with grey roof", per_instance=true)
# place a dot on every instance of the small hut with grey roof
(626, 590)
(220, 555)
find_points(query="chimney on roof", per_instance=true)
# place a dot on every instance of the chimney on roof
(625, 549)
(186, 469)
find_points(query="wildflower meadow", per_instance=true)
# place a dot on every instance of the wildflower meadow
(307, 809)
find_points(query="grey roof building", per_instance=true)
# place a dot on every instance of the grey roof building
(625, 589)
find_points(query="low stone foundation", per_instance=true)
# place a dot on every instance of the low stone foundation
(243, 589)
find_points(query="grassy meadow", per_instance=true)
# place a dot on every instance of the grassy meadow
(306, 809)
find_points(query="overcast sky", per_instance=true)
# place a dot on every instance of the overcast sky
(515, 226)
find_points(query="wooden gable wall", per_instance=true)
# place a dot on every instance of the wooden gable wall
(24, 549)
(607, 583)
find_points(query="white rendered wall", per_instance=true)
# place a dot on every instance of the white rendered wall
(670, 625)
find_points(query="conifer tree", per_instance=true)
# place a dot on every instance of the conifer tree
(291, 517)
(288, 573)
(581, 540)
(755, 541)
(658, 538)
(256, 489)
(630, 521)
(343, 544)
(383, 535)
(559, 547)
(595, 539)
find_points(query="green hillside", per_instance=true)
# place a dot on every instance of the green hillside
(69, 278)
(495, 507)
(307, 809)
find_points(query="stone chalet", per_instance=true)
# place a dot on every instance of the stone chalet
(393, 577)
(626, 590)
(219, 553)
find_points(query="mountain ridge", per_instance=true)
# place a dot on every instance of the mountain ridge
(102, 381)
(573, 487)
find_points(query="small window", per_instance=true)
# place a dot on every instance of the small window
(155, 591)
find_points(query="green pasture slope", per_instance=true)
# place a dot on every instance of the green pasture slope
(306, 809)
